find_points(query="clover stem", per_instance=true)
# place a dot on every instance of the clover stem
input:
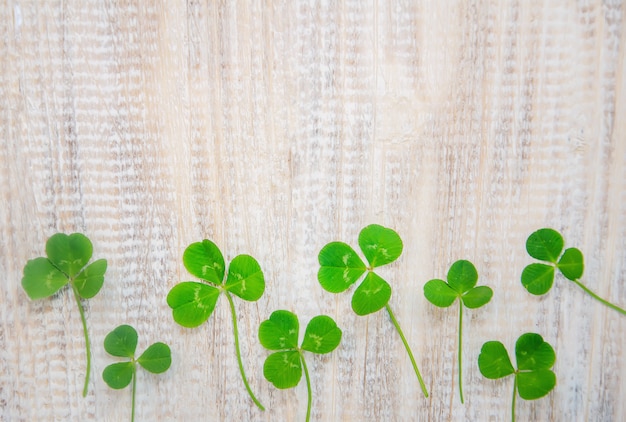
(236, 331)
(308, 386)
(514, 397)
(132, 414)
(87, 345)
(460, 351)
(595, 296)
(408, 349)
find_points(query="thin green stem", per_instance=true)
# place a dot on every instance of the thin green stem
(87, 344)
(460, 351)
(514, 397)
(308, 386)
(236, 331)
(595, 296)
(408, 349)
(132, 415)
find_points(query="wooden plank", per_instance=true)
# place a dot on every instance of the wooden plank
(273, 128)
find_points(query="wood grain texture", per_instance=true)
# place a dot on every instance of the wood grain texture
(274, 127)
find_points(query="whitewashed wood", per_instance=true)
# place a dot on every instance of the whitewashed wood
(276, 127)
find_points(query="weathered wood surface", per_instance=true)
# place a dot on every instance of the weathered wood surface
(276, 127)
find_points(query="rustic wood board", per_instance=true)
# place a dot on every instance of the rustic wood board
(273, 128)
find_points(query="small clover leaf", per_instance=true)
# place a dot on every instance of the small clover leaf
(533, 376)
(119, 375)
(66, 263)
(280, 332)
(89, 281)
(571, 264)
(477, 297)
(341, 267)
(547, 245)
(462, 279)
(122, 342)
(193, 302)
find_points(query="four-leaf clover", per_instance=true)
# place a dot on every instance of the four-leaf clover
(193, 303)
(66, 263)
(280, 332)
(462, 279)
(122, 342)
(533, 377)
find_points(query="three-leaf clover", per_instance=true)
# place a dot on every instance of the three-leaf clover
(546, 245)
(462, 279)
(66, 263)
(281, 332)
(341, 267)
(122, 342)
(533, 377)
(192, 302)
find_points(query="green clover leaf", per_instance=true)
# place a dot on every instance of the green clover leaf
(341, 267)
(69, 253)
(66, 263)
(462, 279)
(122, 342)
(546, 245)
(380, 245)
(193, 302)
(281, 332)
(368, 297)
(533, 376)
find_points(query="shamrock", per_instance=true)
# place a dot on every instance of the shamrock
(341, 267)
(533, 377)
(546, 245)
(66, 263)
(281, 332)
(122, 342)
(462, 279)
(193, 303)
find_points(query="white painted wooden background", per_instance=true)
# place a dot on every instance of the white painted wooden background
(274, 127)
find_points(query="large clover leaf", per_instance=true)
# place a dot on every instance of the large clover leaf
(341, 267)
(193, 302)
